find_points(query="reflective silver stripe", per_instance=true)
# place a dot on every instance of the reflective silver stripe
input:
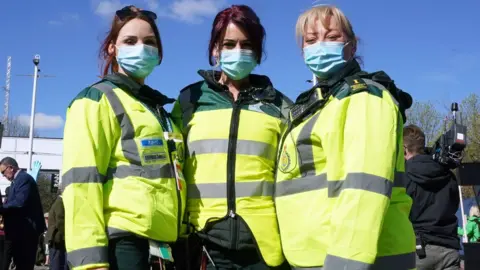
(305, 147)
(396, 262)
(82, 175)
(393, 262)
(334, 262)
(129, 147)
(149, 172)
(299, 185)
(244, 147)
(360, 181)
(86, 256)
(115, 233)
(219, 190)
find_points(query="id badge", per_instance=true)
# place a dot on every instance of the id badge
(161, 250)
(177, 166)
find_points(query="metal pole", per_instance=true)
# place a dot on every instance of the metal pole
(36, 61)
(7, 97)
(464, 220)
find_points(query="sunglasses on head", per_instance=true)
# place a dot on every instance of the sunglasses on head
(127, 12)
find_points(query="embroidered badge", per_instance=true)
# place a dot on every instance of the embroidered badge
(285, 160)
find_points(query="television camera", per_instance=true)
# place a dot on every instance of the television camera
(448, 148)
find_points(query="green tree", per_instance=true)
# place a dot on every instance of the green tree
(46, 196)
(427, 117)
(470, 117)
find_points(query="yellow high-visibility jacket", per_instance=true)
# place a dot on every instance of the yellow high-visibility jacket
(339, 195)
(118, 175)
(230, 163)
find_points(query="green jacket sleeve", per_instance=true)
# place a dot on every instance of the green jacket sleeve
(362, 151)
(87, 144)
(177, 115)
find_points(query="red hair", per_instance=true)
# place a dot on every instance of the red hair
(245, 18)
(109, 63)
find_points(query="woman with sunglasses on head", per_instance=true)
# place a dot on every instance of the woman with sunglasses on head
(122, 189)
(233, 121)
(339, 195)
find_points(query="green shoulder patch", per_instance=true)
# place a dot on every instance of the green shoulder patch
(354, 85)
(90, 92)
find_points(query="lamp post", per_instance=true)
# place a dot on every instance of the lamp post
(36, 61)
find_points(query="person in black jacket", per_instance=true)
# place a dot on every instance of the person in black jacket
(23, 214)
(56, 236)
(435, 195)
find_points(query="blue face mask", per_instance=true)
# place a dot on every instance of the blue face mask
(324, 58)
(138, 61)
(237, 64)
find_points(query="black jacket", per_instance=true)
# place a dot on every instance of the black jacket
(56, 225)
(434, 191)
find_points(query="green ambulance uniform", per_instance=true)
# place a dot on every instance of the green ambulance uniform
(118, 174)
(339, 195)
(230, 163)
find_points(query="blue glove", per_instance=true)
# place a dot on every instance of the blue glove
(35, 169)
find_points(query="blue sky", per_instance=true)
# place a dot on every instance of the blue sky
(430, 48)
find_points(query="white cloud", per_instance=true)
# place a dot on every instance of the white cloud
(194, 11)
(106, 8)
(152, 4)
(42, 121)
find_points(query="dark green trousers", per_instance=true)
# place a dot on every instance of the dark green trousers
(128, 253)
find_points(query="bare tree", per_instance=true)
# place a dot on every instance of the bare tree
(17, 129)
(427, 117)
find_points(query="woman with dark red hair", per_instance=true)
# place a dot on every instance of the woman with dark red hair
(233, 121)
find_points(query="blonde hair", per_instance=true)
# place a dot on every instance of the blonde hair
(323, 13)
(474, 211)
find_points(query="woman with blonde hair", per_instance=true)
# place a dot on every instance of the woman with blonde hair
(340, 199)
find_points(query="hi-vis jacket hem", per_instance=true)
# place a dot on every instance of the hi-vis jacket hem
(395, 262)
(119, 177)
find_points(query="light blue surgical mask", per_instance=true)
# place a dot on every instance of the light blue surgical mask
(324, 58)
(237, 64)
(139, 60)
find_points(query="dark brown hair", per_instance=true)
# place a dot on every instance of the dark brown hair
(245, 18)
(109, 62)
(414, 139)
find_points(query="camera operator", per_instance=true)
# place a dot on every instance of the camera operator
(434, 191)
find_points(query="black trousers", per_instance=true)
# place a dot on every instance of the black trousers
(24, 250)
(236, 259)
(58, 259)
(7, 255)
(128, 253)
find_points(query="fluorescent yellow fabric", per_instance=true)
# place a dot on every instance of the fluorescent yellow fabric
(340, 198)
(118, 175)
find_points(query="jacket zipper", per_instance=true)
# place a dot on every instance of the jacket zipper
(231, 160)
(171, 147)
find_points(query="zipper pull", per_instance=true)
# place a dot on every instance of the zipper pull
(231, 214)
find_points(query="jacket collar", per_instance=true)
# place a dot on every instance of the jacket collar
(261, 87)
(352, 67)
(142, 92)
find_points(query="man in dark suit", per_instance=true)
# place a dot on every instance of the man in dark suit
(23, 214)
